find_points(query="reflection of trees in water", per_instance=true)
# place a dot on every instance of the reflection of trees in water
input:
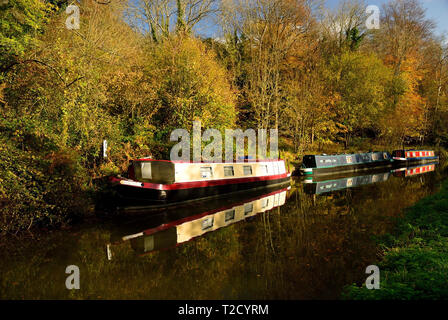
(322, 243)
(309, 248)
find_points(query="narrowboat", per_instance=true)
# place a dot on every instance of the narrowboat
(164, 181)
(403, 157)
(188, 226)
(330, 164)
(415, 170)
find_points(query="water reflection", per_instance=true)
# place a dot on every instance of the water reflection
(319, 187)
(182, 224)
(333, 183)
(415, 170)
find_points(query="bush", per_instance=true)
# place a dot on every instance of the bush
(40, 184)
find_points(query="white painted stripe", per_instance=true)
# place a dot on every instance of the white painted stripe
(131, 183)
(132, 236)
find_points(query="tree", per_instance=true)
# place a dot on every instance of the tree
(343, 27)
(271, 29)
(21, 22)
(405, 31)
(159, 18)
(360, 82)
(191, 85)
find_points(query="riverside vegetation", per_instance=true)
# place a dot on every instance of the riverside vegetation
(131, 78)
(415, 258)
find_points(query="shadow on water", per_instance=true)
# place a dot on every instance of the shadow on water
(305, 241)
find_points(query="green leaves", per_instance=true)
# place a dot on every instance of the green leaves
(20, 21)
(416, 267)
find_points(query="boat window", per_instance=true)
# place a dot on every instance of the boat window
(275, 167)
(146, 170)
(207, 223)
(264, 169)
(148, 243)
(281, 167)
(264, 202)
(247, 170)
(248, 207)
(230, 215)
(276, 200)
(349, 159)
(228, 171)
(206, 172)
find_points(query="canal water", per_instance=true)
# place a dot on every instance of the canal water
(306, 240)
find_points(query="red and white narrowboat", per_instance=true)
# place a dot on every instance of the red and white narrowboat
(164, 181)
(401, 157)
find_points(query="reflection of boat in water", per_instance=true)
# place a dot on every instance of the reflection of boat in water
(317, 187)
(179, 225)
(415, 170)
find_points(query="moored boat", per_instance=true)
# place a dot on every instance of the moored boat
(402, 157)
(330, 164)
(164, 181)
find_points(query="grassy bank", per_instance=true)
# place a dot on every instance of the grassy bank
(415, 260)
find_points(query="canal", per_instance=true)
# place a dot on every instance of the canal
(305, 241)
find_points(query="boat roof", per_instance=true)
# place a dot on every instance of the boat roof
(414, 150)
(183, 161)
(344, 154)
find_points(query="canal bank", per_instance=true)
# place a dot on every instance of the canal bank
(415, 256)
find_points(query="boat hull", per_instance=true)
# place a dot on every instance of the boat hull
(177, 193)
(345, 168)
(401, 162)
